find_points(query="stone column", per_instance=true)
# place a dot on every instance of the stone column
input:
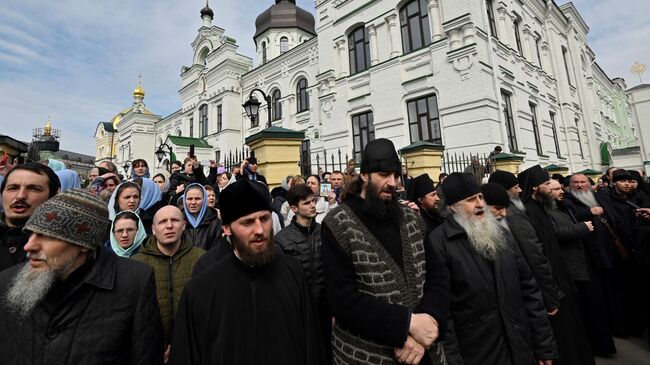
(435, 20)
(423, 157)
(393, 35)
(502, 23)
(342, 57)
(278, 152)
(374, 49)
(526, 44)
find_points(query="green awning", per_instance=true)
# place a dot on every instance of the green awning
(605, 156)
(188, 141)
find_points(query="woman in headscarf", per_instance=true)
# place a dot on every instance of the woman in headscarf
(69, 179)
(163, 184)
(56, 165)
(128, 196)
(204, 227)
(139, 168)
(127, 234)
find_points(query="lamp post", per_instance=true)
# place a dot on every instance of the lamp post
(126, 166)
(160, 154)
(252, 106)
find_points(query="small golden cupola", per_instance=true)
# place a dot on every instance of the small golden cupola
(138, 92)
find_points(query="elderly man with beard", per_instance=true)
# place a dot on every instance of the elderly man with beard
(255, 305)
(388, 295)
(529, 243)
(424, 195)
(605, 249)
(73, 302)
(496, 314)
(23, 189)
(568, 329)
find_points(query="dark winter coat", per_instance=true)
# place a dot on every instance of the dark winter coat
(570, 235)
(172, 273)
(304, 244)
(532, 249)
(207, 234)
(107, 314)
(496, 312)
(12, 241)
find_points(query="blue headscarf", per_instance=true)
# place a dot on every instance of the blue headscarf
(150, 194)
(69, 179)
(195, 221)
(56, 165)
(140, 236)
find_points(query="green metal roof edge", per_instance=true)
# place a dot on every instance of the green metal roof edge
(554, 167)
(589, 172)
(420, 145)
(187, 141)
(507, 156)
(275, 132)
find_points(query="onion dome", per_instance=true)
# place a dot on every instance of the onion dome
(285, 14)
(206, 11)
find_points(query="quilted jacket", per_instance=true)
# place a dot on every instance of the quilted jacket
(110, 317)
(171, 273)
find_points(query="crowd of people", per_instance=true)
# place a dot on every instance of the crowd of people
(368, 265)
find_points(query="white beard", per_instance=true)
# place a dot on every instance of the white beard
(586, 197)
(518, 203)
(485, 234)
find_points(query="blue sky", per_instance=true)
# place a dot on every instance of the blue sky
(78, 60)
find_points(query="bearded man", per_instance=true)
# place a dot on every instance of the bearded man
(605, 249)
(424, 195)
(388, 295)
(73, 302)
(569, 332)
(254, 306)
(496, 314)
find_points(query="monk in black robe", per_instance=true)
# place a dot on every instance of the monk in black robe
(252, 307)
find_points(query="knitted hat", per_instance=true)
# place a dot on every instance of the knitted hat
(242, 198)
(635, 176)
(420, 186)
(504, 178)
(458, 186)
(529, 178)
(621, 174)
(495, 195)
(75, 216)
(379, 155)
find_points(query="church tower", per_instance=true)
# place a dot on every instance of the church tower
(280, 28)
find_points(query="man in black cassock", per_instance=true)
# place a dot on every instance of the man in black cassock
(568, 329)
(254, 306)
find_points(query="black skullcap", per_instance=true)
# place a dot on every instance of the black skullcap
(252, 160)
(420, 186)
(529, 178)
(503, 178)
(458, 186)
(495, 195)
(635, 176)
(380, 156)
(621, 174)
(242, 198)
(558, 177)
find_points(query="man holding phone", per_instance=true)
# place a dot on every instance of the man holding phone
(248, 169)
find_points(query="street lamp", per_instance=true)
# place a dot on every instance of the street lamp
(126, 166)
(160, 154)
(252, 106)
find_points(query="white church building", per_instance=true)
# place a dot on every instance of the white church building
(468, 75)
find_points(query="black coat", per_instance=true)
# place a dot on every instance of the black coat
(12, 241)
(207, 234)
(532, 249)
(570, 235)
(110, 316)
(496, 312)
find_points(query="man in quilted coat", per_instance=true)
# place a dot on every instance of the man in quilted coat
(72, 302)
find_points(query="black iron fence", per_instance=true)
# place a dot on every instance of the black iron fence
(234, 158)
(325, 162)
(458, 162)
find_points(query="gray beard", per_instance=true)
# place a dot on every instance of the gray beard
(486, 235)
(29, 287)
(518, 203)
(586, 197)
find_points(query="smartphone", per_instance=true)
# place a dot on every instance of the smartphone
(5, 157)
(191, 151)
(325, 189)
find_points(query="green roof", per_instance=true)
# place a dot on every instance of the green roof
(420, 145)
(187, 141)
(108, 127)
(507, 156)
(555, 168)
(275, 132)
(589, 172)
(605, 157)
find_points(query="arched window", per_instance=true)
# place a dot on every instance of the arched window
(302, 96)
(414, 20)
(284, 45)
(276, 107)
(203, 55)
(263, 46)
(359, 50)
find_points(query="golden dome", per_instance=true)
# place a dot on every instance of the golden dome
(138, 91)
(48, 127)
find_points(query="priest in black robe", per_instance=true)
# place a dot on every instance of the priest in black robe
(253, 306)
